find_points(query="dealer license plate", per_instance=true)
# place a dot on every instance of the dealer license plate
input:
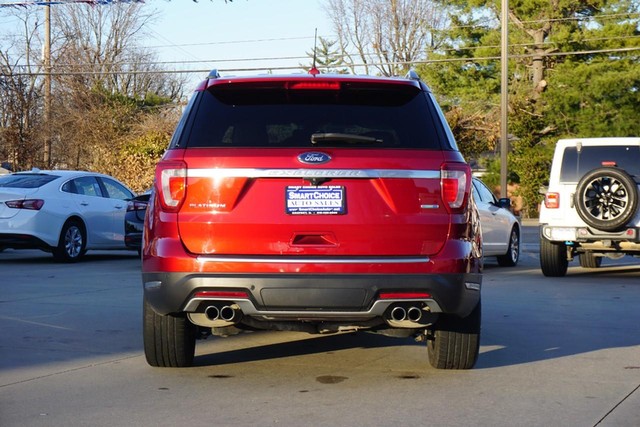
(312, 200)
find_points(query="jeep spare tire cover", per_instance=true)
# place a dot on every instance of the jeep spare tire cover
(606, 198)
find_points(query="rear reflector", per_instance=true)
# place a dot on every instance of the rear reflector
(221, 294)
(404, 295)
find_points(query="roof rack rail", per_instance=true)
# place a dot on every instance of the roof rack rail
(214, 74)
(413, 75)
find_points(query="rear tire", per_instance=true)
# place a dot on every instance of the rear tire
(72, 244)
(456, 341)
(169, 341)
(510, 259)
(553, 258)
(588, 260)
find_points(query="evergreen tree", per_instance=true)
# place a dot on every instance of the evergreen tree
(327, 58)
(573, 71)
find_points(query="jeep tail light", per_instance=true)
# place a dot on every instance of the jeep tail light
(30, 204)
(454, 184)
(552, 200)
(171, 179)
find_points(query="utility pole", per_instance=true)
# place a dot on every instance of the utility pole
(504, 97)
(47, 85)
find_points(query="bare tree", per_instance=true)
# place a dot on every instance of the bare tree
(105, 80)
(20, 89)
(385, 35)
(99, 46)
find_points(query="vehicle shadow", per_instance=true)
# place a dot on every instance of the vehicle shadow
(307, 345)
(33, 256)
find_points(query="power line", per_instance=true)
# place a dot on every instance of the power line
(285, 68)
(59, 2)
(173, 45)
(298, 58)
(265, 40)
(235, 42)
(584, 18)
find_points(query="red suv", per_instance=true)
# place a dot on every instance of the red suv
(312, 203)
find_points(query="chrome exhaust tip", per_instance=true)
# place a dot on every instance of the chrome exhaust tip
(414, 314)
(398, 314)
(212, 312)
(230, 313)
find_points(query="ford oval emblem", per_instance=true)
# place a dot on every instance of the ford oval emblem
(314, 158)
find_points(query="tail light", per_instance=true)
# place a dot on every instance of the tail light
(314, 85)
(136, 205)
(552, 200)
(455, 181)
(171, 182)
(30, 204)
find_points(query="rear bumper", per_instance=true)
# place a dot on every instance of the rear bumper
(311, 296)
(587, 234)
(22, 241)
(584, 239)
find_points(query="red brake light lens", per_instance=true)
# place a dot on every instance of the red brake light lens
(454, 185)
(30, 204)
(552, 200)
(171, 179)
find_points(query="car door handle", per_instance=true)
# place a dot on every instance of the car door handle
(84, 204)
(119, 207)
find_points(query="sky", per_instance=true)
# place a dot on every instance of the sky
(236, 37)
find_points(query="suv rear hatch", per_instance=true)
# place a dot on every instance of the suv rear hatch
(314, 167)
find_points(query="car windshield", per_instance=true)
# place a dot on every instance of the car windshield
(575, 164)
(367, 116)
(27, 180)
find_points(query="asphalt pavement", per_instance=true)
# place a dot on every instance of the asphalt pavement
(554, 352)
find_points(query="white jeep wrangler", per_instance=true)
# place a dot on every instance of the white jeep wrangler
(590, 208)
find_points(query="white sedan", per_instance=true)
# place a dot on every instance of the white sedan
(62, 212)
(500, 228)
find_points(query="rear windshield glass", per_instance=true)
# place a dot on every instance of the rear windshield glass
(576, 164)
(382, 117)
(25, 180)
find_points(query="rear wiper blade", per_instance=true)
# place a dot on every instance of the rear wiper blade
(319, 138)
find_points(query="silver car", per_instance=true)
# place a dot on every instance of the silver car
(500, 228)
